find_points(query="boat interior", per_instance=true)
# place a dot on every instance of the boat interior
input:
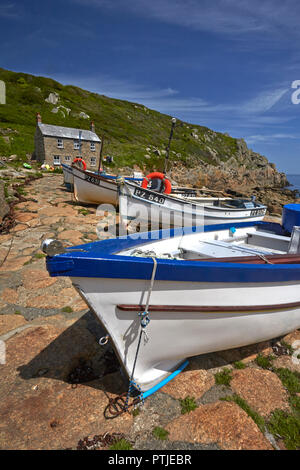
(224, 202)
(246, 244)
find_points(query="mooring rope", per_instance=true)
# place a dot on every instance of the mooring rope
(133, 386)
(264, 259)
(145, 320)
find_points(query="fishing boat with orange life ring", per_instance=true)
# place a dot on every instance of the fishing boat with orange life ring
(162, 209)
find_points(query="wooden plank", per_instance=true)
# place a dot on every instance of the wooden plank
(207, 308)
(293, 258)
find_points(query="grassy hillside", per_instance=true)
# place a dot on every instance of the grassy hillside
(128, 128)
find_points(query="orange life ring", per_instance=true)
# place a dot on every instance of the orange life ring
(161, 176)
(81, 161)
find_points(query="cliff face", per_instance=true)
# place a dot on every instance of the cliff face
(242, 172)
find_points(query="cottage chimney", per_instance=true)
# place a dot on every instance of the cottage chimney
(92, 126)
(38, 119)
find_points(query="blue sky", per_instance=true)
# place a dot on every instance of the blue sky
(227, 64)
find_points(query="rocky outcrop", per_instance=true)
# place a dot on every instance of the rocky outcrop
(62, 109)
(84, 115)
(230, 175)
(4, 207)
(53, 98)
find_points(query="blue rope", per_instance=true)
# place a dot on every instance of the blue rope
(145, 320)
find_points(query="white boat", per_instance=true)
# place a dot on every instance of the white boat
(93, 188)
(148, 207)
(191, 291)
(68, 176)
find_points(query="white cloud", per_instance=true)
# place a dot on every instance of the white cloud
(221, 16)
(8, 10)
(270, 139)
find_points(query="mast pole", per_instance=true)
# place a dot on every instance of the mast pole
(100, 157)
(169, 143)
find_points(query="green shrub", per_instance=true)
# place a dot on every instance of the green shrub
(135, 412)
(67, 309)
(239, 365)
(58, 170)
(187, 404)
(122, 444)
(286, 426)
(289, 379)
(30, 96)
(224, 377)
(264, 361)
(160, 433)
(295, 404)
(39, 255)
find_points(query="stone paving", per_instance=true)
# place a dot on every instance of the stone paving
(50, 334)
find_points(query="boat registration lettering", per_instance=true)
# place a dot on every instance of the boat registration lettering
(257, 212)
(92, 179)
(149, 196)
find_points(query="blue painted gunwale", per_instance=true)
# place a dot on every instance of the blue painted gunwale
(67, 167)
(103, 174)
(99, 260)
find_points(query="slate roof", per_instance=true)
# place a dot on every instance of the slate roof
(68, 133)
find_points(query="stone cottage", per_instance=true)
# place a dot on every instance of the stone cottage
(54, 145)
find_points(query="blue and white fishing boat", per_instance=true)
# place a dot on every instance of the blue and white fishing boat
(167, 295)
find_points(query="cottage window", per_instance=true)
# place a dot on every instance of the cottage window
(93, 161)
(60, 143)
(76, 145)
(56, 160)
(67, 158)
(93, 147)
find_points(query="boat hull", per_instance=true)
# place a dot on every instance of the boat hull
(196, 306)
(159, 210)
(91, 188)
(218, 316)
(68, 177)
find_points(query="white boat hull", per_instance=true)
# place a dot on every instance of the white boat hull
(68, 176)
(92, 189)
(175, 335)
(168, 211)
(199, 303)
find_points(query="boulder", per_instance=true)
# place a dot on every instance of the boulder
(4, 207)
(62, 109)
(83, 115)
(52, 98)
